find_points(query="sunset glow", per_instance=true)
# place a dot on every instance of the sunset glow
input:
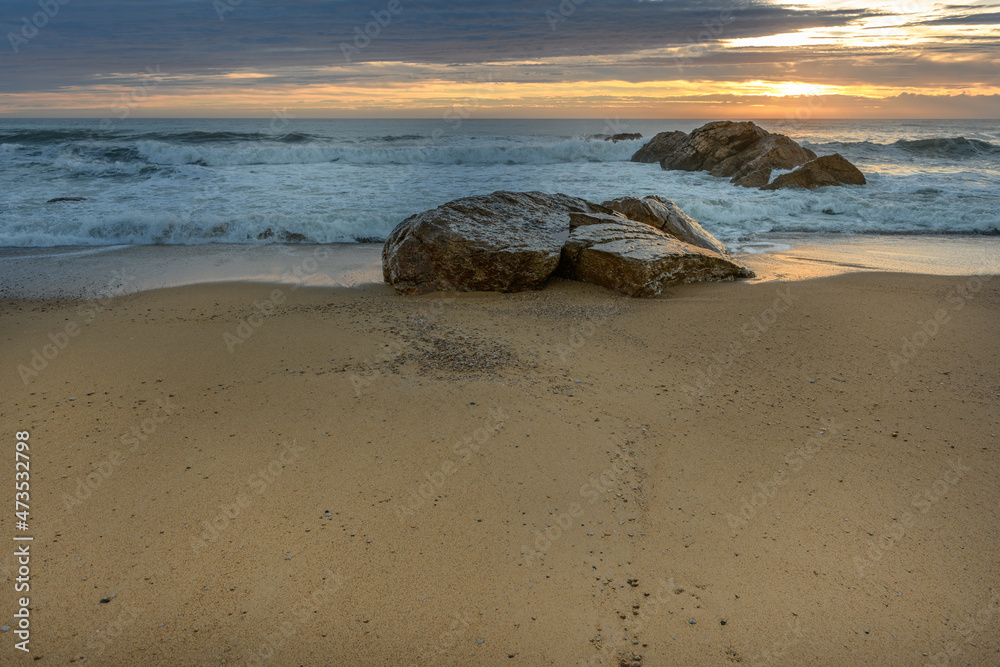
(662, 59)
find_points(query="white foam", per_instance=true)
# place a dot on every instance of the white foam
(68, 253)
(158, 152)
(146, 188)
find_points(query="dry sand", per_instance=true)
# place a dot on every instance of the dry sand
(759, 474)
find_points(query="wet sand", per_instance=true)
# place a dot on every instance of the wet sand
(774, 473)
(86, 272)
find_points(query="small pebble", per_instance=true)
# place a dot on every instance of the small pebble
(4, 628)
(692, 621)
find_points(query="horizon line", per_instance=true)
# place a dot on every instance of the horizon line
(465, 120)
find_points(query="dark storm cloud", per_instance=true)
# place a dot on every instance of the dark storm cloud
(87, 39)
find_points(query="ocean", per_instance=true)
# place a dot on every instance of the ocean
(286, 180)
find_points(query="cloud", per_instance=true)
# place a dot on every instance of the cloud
(86, 39)
(983, 18)
(225, 50)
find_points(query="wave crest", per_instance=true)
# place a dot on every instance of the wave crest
(162, 153)
(951, 147)
(954, 148)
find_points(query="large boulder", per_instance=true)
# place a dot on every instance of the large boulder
(511, 241)
(666, 216)
(712, 145)
(735, 150)
(636, 259)
(753, 166)
(503, 242)
(742, 152)
(660, 145)
(827, 170)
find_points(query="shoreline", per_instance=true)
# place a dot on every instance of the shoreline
(75, 272)
(773, 473)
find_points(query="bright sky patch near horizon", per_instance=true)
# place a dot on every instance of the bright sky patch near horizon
(506, 58)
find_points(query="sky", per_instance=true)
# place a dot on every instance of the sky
(500, 58)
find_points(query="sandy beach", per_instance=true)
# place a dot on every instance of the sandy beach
(635, 333)
(774, 473)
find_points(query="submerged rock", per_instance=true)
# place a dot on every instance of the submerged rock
(827, 170)
(624, 136)
(510, 241)
(283, 235)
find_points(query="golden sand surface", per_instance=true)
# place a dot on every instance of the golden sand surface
(778, 473)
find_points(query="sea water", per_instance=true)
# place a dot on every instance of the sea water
(285, 180)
